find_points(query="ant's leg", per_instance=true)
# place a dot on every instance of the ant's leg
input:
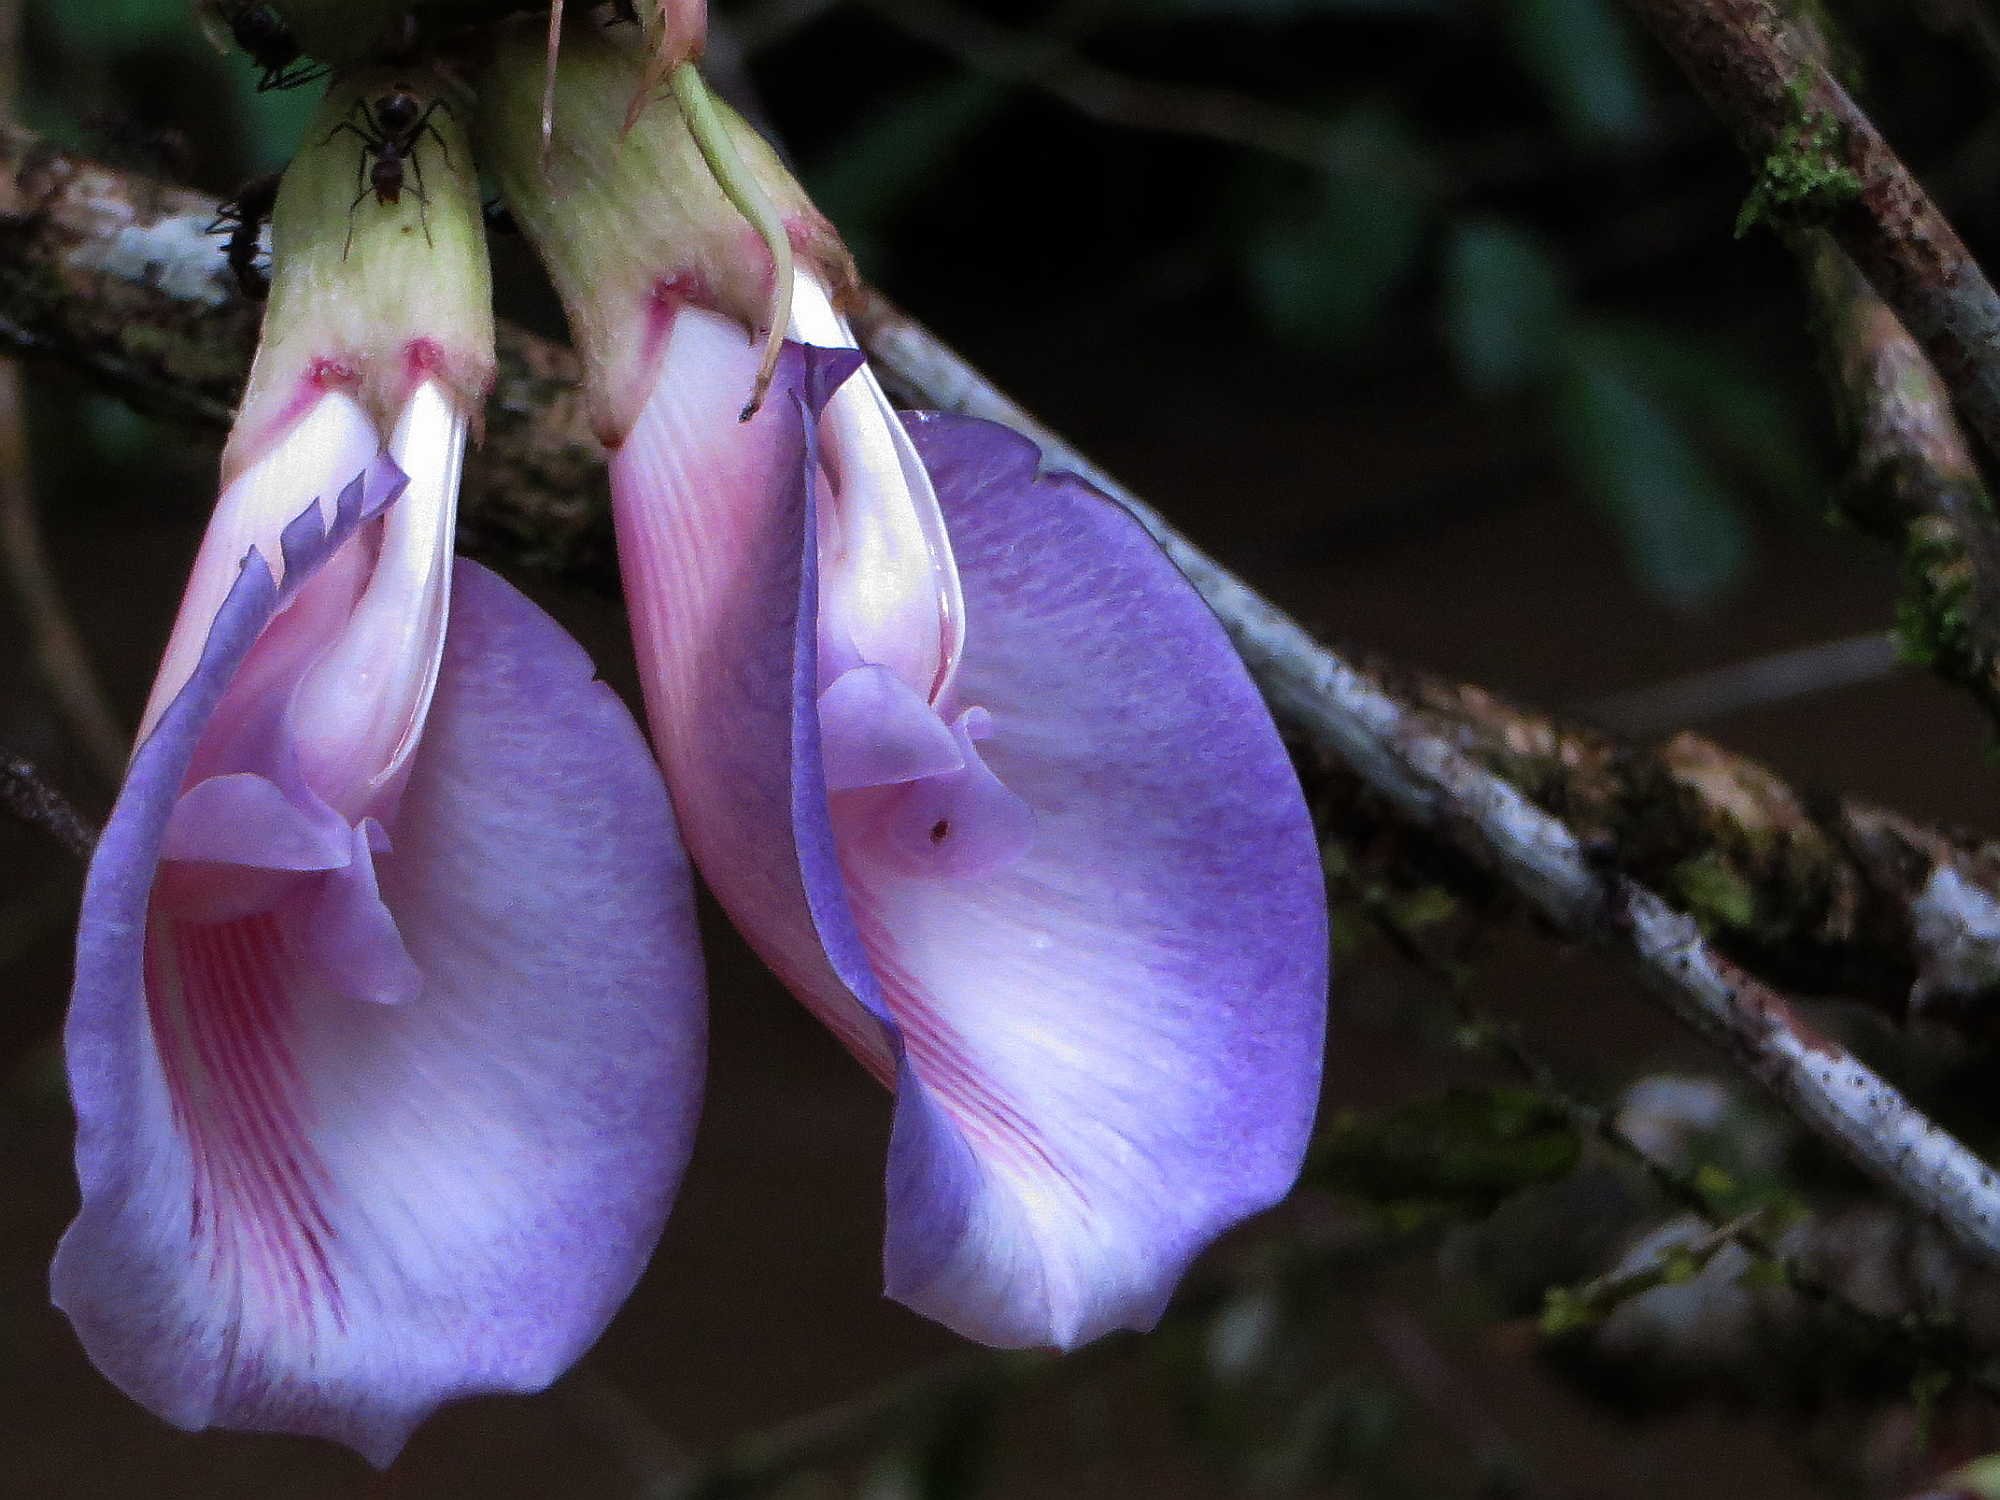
(423, 198)
(370, 142)
(295, 76)
(352, 208)
(424, 127)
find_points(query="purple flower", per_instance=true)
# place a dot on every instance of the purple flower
(386, 1039)
(977, 773)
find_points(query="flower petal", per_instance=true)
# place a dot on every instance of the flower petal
(350, 937)
(1113, 1043)
(329, 441)
(876, 730)
(885, 567)
(713, 537)
(1106, 1047)
(358, 710)
(307, 1214)
(242, 818)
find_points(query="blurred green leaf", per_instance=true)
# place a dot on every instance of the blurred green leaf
(1682, 529)
(107, 23)
(1582, 55)
(1461, 1151)
(864, 178)
(1503, 305)
(1324, 272)
(1743, 414)
(1980, 1478)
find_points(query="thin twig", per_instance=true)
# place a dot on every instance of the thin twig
(1761, 682)
(27, 794)
(1939, 1341)
(1592, 1301)
(1820, 159)
(1912, 480)
(58, 645)
(1035, 60)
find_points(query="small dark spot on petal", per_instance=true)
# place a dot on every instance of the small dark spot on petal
(940, 830)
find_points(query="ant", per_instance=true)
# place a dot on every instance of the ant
(391, 128)
(262, 32)
(244, 216)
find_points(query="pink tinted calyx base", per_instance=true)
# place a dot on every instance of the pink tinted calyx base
(637, 368)
(669, 295)
(323, 376)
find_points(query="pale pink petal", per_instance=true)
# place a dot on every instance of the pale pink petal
(876, 730)
(303, 1212)
(888, 588)
(712, 542)
(348, 936)
(329, 442)
(244, 819)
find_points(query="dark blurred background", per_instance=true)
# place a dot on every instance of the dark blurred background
(1428, 317)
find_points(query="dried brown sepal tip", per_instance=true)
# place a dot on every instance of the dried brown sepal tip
(676, 32)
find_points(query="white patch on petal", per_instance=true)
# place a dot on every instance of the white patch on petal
(360, 711)
(888, 585)
(331, 442)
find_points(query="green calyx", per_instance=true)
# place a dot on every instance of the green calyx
(379, 269)
(631, 219)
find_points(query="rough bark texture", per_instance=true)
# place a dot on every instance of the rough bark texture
(1818, 892)
(1911, 480)
(1821, 160)
(28, 796)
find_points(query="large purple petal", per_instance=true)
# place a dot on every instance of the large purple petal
(1112, 1044)
(308, 1213)
(1105, 1051)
